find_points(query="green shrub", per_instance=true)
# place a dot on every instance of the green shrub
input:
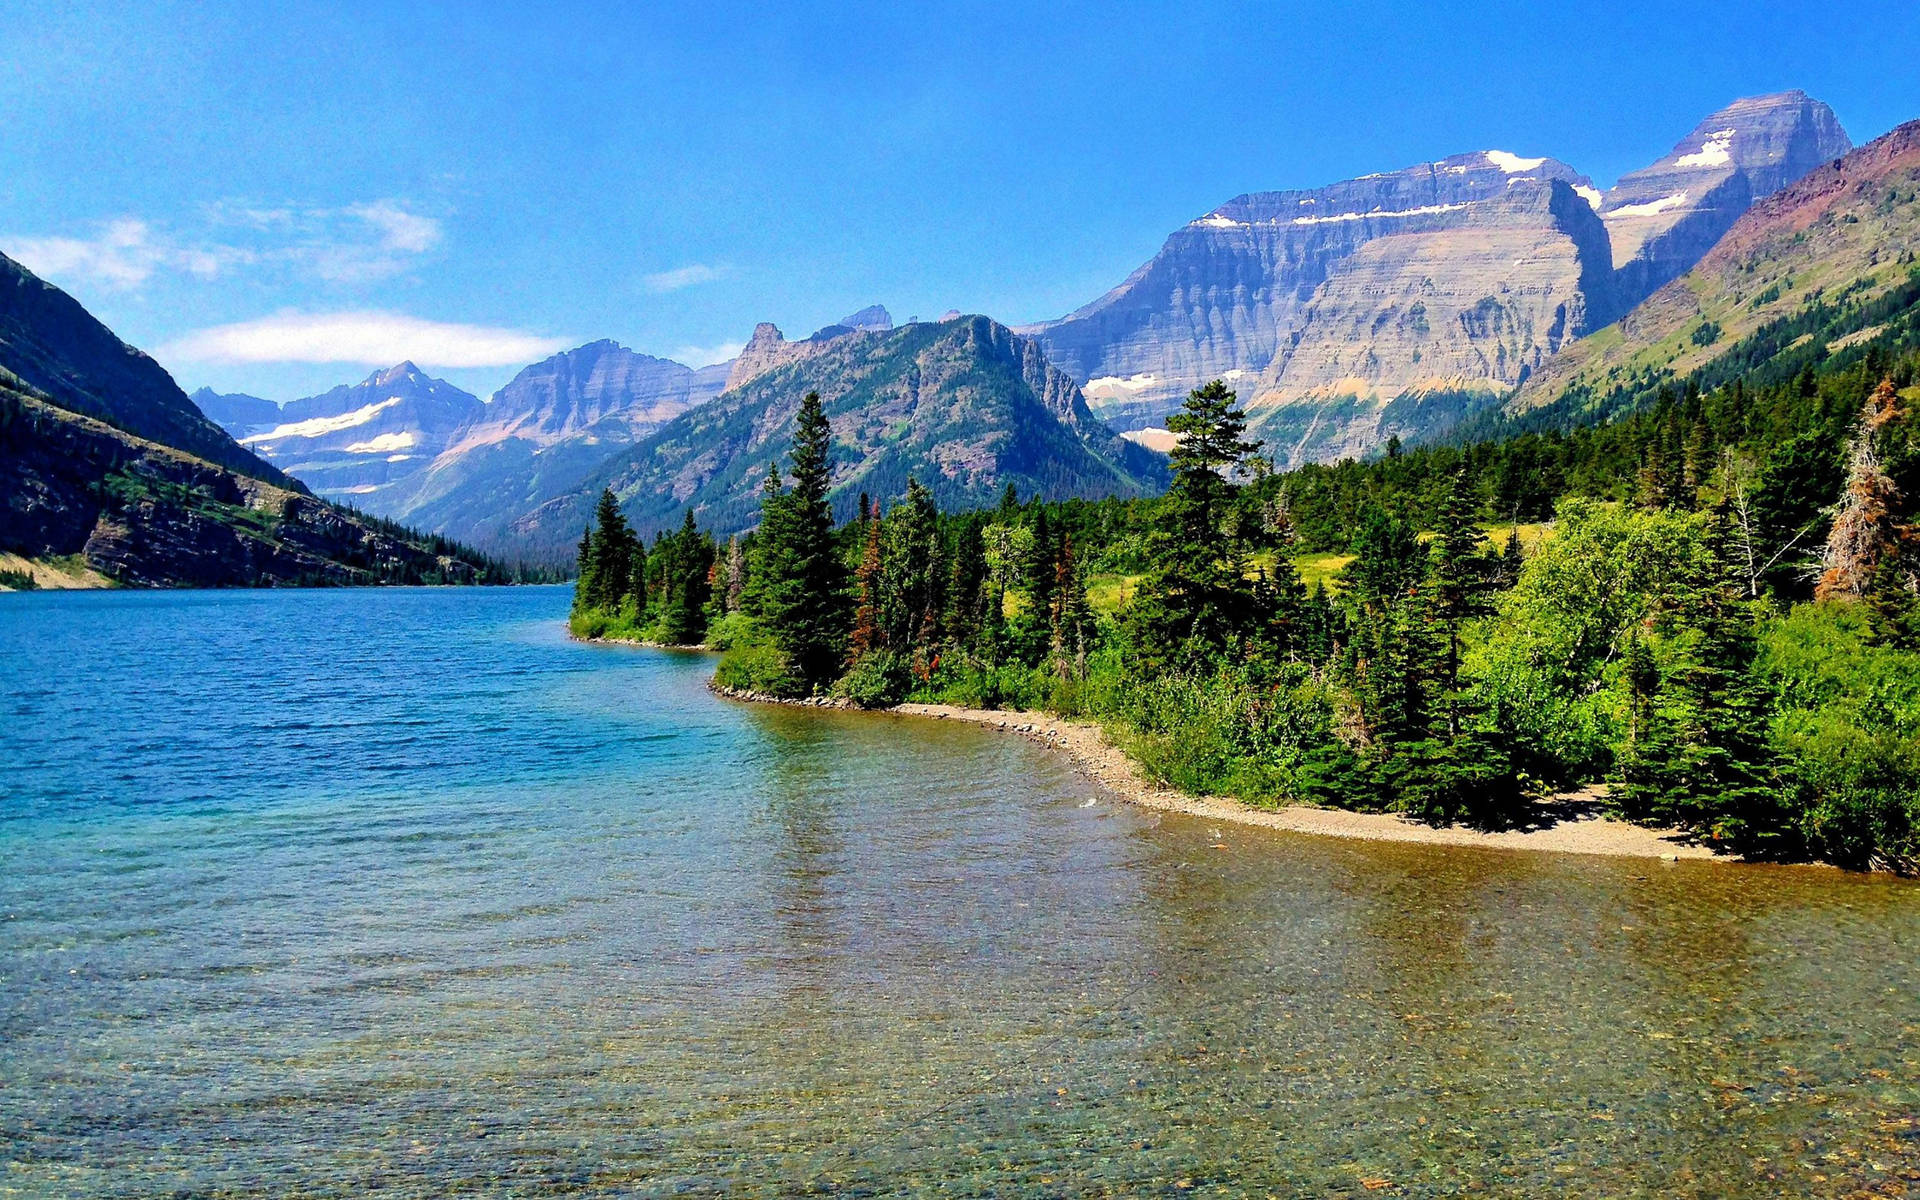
(759, 667)
(880, 679)
(734, 629)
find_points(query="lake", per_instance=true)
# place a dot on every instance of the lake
(400, 892)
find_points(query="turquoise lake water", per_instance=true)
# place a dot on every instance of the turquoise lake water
(401, 893)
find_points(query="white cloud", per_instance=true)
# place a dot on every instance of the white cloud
(123, 254)
(401, 230)
(706, 356)
(358, 243)
(680, 277)
(369, 338)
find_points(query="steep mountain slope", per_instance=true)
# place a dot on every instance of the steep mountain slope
(236, 412)
(356, 441)
(1818, 264)
(965, 406)
(1664, 217)
(1405, 333)
(144, 512)
(1223, 296)
(56, 348)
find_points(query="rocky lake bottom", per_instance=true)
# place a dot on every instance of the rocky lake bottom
(401, 893)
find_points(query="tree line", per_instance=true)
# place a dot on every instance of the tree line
(1709, 603)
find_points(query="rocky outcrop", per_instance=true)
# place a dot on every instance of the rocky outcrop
(769, 349)
(964, 406)
(1227, 292)
(1467, 305)
(1662, 218)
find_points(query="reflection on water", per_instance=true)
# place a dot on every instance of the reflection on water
(399, 892)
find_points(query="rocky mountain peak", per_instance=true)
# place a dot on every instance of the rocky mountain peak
(874, 316)
(1664, 216)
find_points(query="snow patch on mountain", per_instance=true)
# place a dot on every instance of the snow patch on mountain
(1512, 164)
(385, 443)
(322, 426)
(1650, 208)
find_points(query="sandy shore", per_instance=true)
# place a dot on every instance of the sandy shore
(1088, 746)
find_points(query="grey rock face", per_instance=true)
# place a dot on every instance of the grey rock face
(1229, 290)
(1664, 217)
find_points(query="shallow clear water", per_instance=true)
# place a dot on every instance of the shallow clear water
(329, 893)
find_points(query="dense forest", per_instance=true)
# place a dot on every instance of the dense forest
(1708, 602)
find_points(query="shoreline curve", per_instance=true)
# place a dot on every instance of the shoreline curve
(1087, 746)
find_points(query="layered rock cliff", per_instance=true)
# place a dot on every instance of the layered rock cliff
(1227, 292)
(1467, 304)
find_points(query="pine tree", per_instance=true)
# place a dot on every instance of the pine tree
(1196, 600)
(909, 596)
(687, 573)
(1073, 622)
(1698, 755)
(803, 595)
(1457, 581)
(583, 584)
(612, 553)
(966, 577)
(868, 634)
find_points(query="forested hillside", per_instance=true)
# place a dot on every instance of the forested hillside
(1709, 603)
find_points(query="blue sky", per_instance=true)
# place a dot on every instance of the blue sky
(277, 198)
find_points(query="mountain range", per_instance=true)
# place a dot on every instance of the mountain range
(1395, 304)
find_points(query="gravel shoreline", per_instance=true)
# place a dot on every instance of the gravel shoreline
(1087, 745)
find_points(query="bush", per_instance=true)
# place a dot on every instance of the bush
(1846, 729)
(1232, 733)
(759, 667)
(880, 679)
(734, 629)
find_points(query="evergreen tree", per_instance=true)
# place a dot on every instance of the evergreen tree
(1698, 756)
(802, 582)
(612, 553)
(966, 578)
(1457, 585)
(868, 634)
(688, 575)
(1196, 600)
(909, 596)
(1073, 622)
